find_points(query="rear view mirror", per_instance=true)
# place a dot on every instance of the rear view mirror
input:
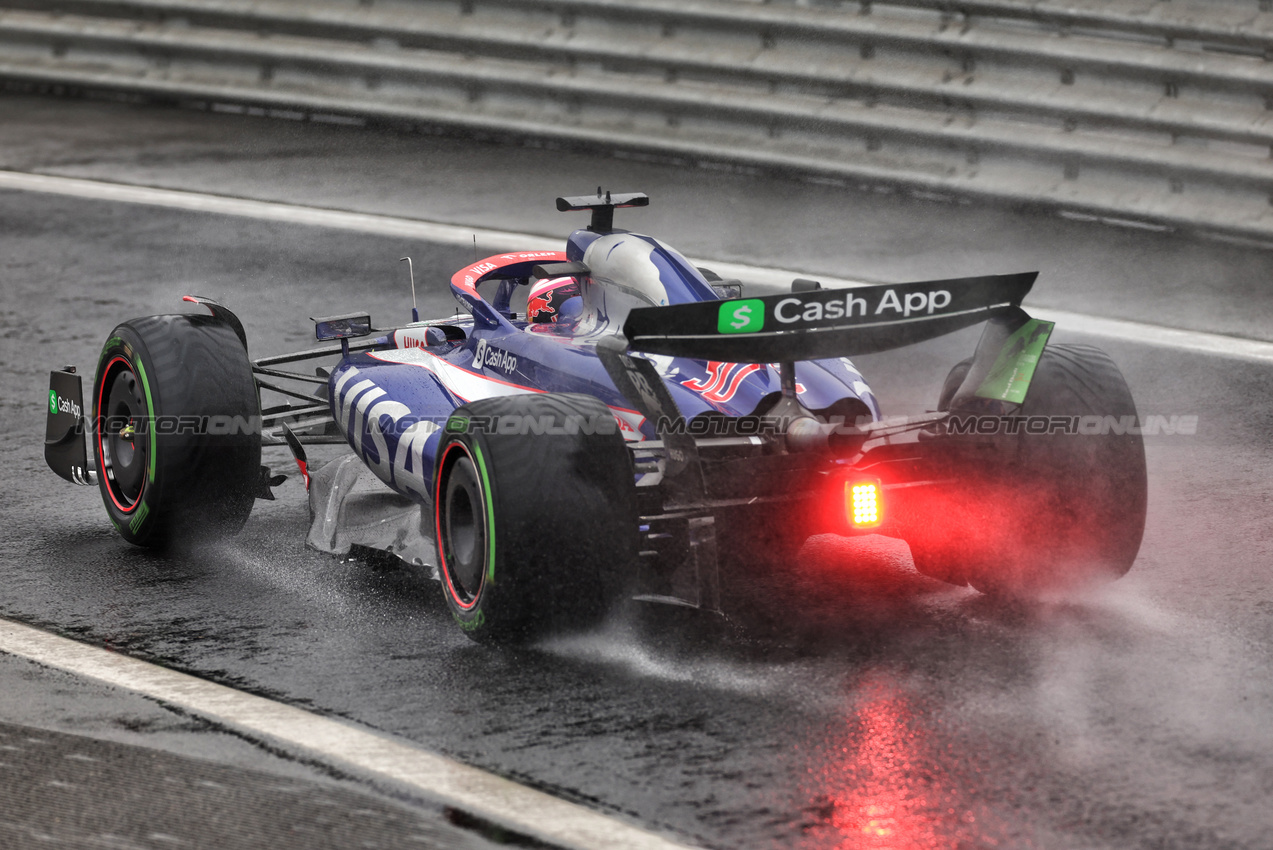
(342, 327)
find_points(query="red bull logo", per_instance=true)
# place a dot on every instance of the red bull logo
(547, 296)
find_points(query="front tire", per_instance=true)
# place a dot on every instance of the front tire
(176, 430)
(534, 515)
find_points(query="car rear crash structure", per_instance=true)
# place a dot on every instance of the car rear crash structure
(665, 428)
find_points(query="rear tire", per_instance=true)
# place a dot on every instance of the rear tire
(177, 431)
(535, 531)
(1048, 512)
(938, 552)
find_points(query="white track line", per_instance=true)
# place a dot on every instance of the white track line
(488, 240)
(499, 800)
(503, 240)
(1198, 342)
(380, 225)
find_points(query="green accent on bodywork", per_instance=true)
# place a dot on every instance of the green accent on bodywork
(457, 425)
(135, 522)
(490, 512)
(741, 317)
(52, 401)
(150, 412)
(1009, 378)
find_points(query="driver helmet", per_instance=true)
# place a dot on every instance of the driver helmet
(546, 297)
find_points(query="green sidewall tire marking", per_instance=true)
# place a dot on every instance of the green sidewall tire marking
(490, 512)
(150, 411)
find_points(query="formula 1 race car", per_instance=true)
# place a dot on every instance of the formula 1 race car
(637, 430)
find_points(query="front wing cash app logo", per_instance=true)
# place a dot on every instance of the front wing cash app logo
(740, 317)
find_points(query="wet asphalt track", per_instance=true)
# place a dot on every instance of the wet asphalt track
(873, 709)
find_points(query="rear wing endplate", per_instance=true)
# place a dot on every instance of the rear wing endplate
(1002, 368)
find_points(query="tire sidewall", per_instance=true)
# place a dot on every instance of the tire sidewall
(477, 615)
(135, 523)
(561, 513)
(199, 484)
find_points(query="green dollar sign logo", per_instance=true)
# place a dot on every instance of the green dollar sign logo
(52, 401)
(740, 317)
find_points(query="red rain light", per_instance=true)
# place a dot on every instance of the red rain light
(862, 503)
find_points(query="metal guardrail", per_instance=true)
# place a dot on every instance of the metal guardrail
(1142, 110)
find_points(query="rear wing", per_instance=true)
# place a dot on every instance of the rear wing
(814, 324)
(824, 323)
